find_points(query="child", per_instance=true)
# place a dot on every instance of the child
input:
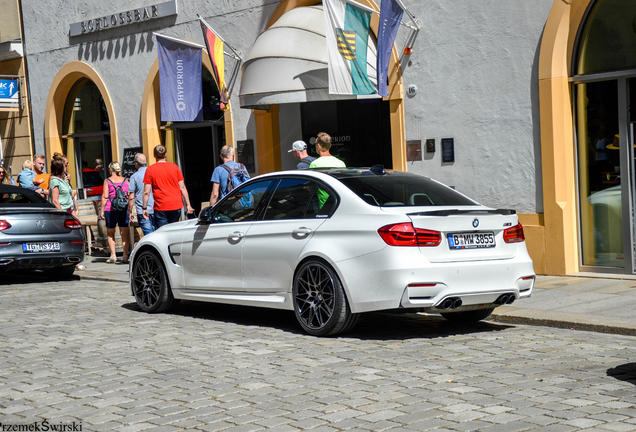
(27, 180)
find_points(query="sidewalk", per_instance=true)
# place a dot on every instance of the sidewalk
(585, 301)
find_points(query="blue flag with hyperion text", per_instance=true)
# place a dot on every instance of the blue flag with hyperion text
(180, 81)
(390, 18)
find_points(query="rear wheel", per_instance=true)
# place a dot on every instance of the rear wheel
(468, 316)
(320, 304)
(150, 284)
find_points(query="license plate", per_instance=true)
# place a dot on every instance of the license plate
(41, 247)
(471, 240)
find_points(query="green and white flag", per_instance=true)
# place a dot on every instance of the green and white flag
(347, 33)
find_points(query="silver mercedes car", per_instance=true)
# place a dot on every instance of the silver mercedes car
(34, 235)
(330, 244)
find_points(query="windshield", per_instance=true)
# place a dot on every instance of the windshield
(402, 189)
(16, 196)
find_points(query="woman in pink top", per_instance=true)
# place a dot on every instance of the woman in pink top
(115, 217)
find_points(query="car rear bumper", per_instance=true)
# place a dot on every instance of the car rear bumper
(396, 278)
(12, 257)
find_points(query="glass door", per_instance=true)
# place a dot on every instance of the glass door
(92, 157)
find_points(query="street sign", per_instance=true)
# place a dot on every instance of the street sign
(9, 93)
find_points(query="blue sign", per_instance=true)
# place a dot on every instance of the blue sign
(8, 88)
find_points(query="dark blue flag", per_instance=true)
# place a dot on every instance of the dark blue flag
(390, 18)
(180, 80)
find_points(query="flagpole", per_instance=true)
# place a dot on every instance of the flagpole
(236, 55)
(192, 44)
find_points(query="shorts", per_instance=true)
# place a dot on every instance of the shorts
(114, 218)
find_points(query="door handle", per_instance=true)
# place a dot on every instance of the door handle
(236, 236)
(301, 232)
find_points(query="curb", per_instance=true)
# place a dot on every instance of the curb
(510, 319)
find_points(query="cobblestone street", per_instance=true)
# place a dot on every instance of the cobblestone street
(82, 352)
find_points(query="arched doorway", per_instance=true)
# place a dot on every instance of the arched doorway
(604, 97)
(194, 146)
(80, 123)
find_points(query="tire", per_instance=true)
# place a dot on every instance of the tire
(320, 303)
(468, 316)
(61, 272)
(150, 284)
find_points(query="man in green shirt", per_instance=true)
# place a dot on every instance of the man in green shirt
(326, 160)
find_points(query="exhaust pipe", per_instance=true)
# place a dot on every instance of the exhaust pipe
(6, 261)
(450, 303)
(505, 299)
(73, 259)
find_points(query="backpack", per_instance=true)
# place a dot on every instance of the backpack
(236, 177)
(120, 201)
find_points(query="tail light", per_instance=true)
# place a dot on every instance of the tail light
(4, 225)
(72, 224)
(514, 234)
(404, 234)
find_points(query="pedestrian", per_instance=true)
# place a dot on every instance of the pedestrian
(326, 160)
(113, 215)
(300, 153)
(136, 196)
(5, 177)
(165, 180)
(27, 180)
(39, 163)
(221, 174)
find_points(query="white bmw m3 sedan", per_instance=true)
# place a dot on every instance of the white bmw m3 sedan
(330, 244)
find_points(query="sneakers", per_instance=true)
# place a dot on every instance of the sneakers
(112, 259)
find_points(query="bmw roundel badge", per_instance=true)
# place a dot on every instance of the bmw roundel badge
(475, 223)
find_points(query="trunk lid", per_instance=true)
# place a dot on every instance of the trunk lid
(32, 221)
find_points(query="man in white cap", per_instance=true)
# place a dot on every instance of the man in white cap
(300, 152)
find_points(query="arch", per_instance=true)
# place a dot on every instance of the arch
(557, 136)
(151, 110)
(267, 127)
(62, 84)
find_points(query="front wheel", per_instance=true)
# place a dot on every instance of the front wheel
(150, 284)
(320, 304)
(468, 317)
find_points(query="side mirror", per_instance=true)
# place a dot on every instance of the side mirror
(205, 215)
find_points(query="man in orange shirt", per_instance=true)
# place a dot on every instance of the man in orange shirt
(39, 162)
(165, 181)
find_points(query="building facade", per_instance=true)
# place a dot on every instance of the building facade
(522, 105)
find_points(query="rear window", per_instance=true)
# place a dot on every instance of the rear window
(24, 197)
(404, 190)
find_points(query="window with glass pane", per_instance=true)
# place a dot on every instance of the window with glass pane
(290, 199)
(85, 110)
(242, 204)
(608, 38)
(599, 174)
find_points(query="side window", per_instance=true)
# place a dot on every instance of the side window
(290, 199)
(242, 203)
(322, 204)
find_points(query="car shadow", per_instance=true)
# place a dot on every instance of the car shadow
(625, 372)
(31, 276)
(371, 325)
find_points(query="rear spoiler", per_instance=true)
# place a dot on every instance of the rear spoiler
(504, 212)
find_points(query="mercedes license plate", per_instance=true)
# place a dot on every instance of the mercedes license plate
(471, 240)
(41, 247)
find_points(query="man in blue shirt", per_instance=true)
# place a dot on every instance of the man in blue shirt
(220, 175)
(136, 196)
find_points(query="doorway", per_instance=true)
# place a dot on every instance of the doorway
(197, 155)
(89, 151)
(606, 117)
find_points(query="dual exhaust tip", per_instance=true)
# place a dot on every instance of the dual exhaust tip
(450, 303)
(505, 299)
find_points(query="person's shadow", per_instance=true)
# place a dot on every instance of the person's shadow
(624, 372)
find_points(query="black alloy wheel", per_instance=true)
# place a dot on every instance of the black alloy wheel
(320, 304)
(150, 284)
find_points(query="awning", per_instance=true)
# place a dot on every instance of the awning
(288, 63)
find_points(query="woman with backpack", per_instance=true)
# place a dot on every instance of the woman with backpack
(115, 210)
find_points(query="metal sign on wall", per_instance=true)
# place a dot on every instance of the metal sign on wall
(120, 19)
(10, 93)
